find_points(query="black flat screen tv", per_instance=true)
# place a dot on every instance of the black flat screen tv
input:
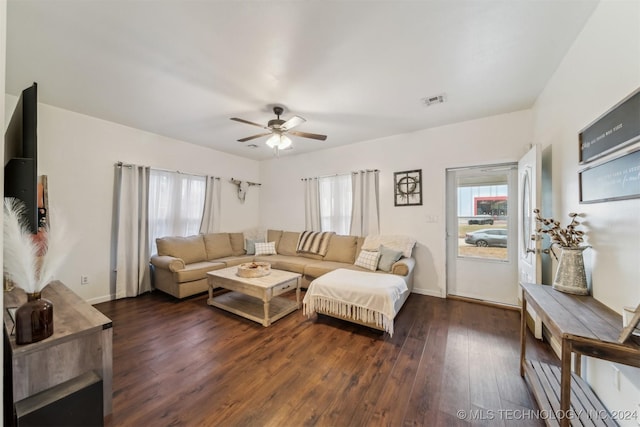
(21, 155)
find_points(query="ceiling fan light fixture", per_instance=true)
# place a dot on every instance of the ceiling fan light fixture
(279, 141)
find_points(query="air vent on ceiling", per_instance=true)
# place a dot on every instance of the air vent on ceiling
(432, 100)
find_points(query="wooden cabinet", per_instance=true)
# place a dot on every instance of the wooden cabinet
(584, 326)
(81, 343)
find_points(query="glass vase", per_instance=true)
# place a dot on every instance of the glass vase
(34, 319)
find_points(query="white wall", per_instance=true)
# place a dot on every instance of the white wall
(78, 153)
(496, 139)
(601, 68)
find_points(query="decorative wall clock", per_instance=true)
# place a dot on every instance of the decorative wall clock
(408, 188)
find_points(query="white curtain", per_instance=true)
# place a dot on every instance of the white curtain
(312, 205)
(211, 215)
(365, 215)
(132, 275)
(176, 202)
(335, 203)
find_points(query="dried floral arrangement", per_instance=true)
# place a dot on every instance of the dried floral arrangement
(567, 237)
(30, 262)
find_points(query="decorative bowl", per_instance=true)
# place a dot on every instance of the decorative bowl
(254, 269)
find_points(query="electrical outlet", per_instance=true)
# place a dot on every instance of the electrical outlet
(84, 280)
(616, 377)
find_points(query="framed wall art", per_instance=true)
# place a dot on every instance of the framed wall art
(615, 129)
(616, 179)
(408, 188)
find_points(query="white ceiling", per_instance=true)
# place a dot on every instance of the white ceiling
(356, 70)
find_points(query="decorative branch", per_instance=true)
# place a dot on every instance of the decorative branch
(31, 261)
(568, 237)
(20, 249)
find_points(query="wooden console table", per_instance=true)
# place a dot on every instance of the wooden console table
(81, 343)
(585, 327)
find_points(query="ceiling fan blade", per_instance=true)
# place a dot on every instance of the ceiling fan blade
(249, 138)
(247, 122)
(308, 135)
(293, 122)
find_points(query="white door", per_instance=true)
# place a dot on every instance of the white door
(481, 233)
(529, 264)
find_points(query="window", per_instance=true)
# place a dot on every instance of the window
(482, 199)
(176, 203)
(335, 203)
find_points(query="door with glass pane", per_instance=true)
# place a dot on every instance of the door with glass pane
(482, 233)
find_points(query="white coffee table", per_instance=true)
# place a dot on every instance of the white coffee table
(256, 298)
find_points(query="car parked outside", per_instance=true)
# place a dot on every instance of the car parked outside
(481, 220)
(487, 237)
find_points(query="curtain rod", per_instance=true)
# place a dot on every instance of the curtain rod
(129, 165)
(340, 174)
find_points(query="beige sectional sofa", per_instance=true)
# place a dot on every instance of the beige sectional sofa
(181, 265)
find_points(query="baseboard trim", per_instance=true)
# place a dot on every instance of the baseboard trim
(427, 292)
(483, 302)
(98, 300)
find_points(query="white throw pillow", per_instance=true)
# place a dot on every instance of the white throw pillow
(265, 248)
(368, 260)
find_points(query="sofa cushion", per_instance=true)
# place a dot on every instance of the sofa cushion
(288, 243)
(368, 260)
(237, 243)
(235, 260)
(359, 243)
(274, 236)
(190, 249)
(388, 257)
(318, 269)
(288, 263)
(342, 249)
(197, 271)
(218, 245)
(311, 256)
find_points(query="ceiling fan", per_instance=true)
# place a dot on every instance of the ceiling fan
(279, 129)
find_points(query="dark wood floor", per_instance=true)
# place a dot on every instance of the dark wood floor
(185, 363)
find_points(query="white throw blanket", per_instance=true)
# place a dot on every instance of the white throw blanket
(361, 296)
(397, 242)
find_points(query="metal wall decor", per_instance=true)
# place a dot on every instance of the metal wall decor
(408, 188)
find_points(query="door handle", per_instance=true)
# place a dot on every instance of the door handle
(530, 251)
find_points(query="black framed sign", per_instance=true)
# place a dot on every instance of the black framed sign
(617, 128)
(408, 188)
(617, 179)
